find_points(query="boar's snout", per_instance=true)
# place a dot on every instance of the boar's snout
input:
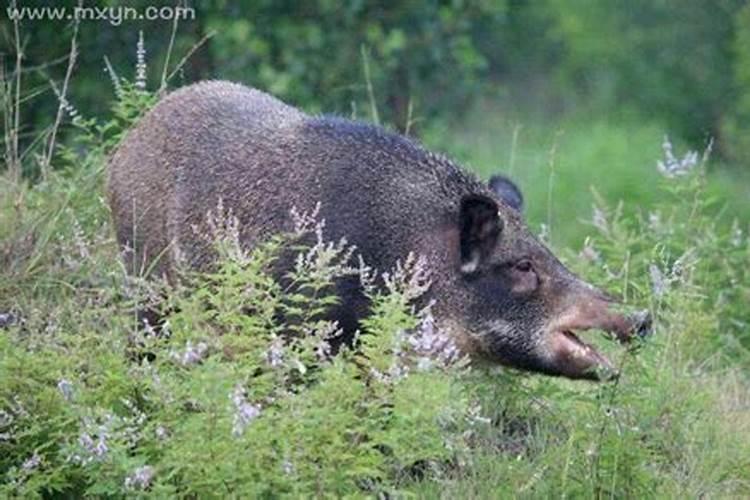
(566, 354)
(521, 306)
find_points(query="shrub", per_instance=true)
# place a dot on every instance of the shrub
(229, 399)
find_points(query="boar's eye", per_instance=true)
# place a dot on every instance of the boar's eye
(524, 265)
(524, 278)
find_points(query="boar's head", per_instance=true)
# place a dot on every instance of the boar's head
(519, 305)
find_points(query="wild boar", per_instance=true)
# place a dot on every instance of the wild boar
(497, 290)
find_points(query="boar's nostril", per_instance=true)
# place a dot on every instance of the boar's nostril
(642, 323)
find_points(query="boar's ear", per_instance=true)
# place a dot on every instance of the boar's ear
(507, 191)
(480, 227)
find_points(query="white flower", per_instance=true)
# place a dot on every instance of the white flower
(474, 415)
(275, 353)
(140, 479)
(429, 342)
(140, 66)
(599, 220)
(671, 166)
(654, 221)
(161, 433)
(411, 279)
(32, 462)
(589, 253)
(244, 412)
(96, 448)
(66, 389)
(287, 467)
(659, 284)
(191, 355)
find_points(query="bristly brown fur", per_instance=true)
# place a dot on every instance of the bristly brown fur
(222, 143)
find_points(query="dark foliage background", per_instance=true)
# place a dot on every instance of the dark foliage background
(685, 63)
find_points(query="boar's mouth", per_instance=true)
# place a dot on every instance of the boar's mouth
(574, 358)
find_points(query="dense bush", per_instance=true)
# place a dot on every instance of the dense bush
(682, 63)
(228, 400)
(419, 56)
(314, 53)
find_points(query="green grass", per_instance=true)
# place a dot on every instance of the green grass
(675, 425)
